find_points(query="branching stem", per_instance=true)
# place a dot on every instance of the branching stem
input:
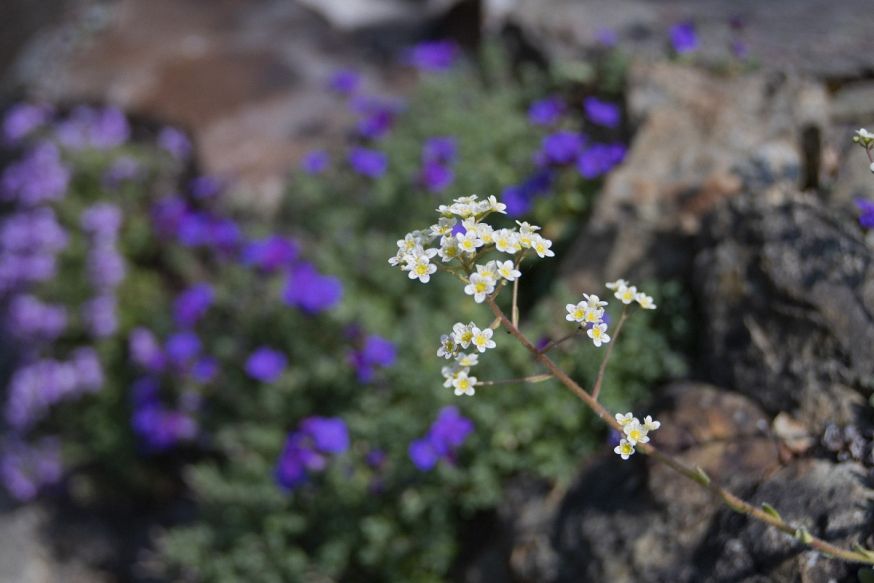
(596, 390)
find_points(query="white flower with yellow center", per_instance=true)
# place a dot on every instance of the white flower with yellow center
(527, 228)
(489, 271)
(636, 433)
(645, 301)
(576, 312)
(626, 294)
(421, 268)
(496, 206)
(464, 384)
(467, 360)
(448, 249)
(614, 285)
(864, 135)
(508, 270)
(625, 449)
(598, 334)
(526, 240)
(450, 372)
(448, 347)
(542, 246)
(486, 233)
(624, 420)
(398, 259)
(594, 301)
(463, 333)
(593, 315)
(443, 227)
(479, 287)
(482, 339)
(650, 423)
(468, 242)
(506, 241)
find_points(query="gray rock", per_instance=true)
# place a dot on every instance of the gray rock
(786, 289)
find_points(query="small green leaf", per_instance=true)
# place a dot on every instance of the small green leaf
(865, 575)
(804, 535)
(771, 510)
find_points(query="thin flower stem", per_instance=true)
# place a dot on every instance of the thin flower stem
(537, 378)
(695, 474)
(553, 343)
(596, 390)
(515, 312)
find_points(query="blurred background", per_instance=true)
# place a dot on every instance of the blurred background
(211, 373)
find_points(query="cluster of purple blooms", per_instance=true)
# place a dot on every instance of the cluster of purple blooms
(158, 426)
(866, 212)
(376, 352)
(93, 128)
(684, 38)
(105, 267)
(30, 240)
(25, 467)
(446, 434)
(174, 216)
(22, 120)
(433, 56)
(306, 449)
(438, 157)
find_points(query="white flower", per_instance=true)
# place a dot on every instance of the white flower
(448, 347)
(625, 419)
(496, 206)
(506, 241)
(626, 294)
(636, 433)
(409, 243)
(594, 301)
(482, 339)
(594, 315)
(575, 312)
(625, 449)
(872, 166)
(526, 228)
(469, 242)
(489, 271)
(448, 249)
(645, 301)
(467, 360)
(542, 246)
(464, 384)
(400, 257)
(508, 270)
(479, 287)
(444, 226)
(650, 423)
(526, 240)
(486, 233)
(463, 333)
(864, 134)
(450, 372)
(421, 268)
(614, 285)
(598, 334)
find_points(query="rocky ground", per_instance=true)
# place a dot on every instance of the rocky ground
(740, 185)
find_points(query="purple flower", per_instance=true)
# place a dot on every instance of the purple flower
(600, 159)
(88, 369)
(194, 229)
(22, 119)
(25, 468)
(376, 352)
(375, 458)
(205, 187)
(205, 370)
(520, 198)
(100, 317)
(546, 111)
(436, 177)
(102, 221)
(174, 142)
(89, 127)
(182, 347)
(311, 291)
(105, 268)
(160, 428)
(145, 350)
(344, 82)
(266, 364)
(560, 148)
(439, 150)
(369, 163)
(123, 169)
(295, 461)
(433, 56)
(31, 319)
(329, 434)
(38, 177)
(602, 113)
(192, 304)
(167, 214)
(315, 162)
(866, 212)
(377, 122)
(683, 37)
(607, 37)
(224, 235)
(423, 454)
(271, 254)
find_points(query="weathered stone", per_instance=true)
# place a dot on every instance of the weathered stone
(786, 288)
(702, 138)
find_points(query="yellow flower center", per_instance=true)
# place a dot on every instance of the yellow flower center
(596, 332)
(578, 314)
(479, 287)
(635, 434)
(467, 336)
(626, 448)
(421, 269)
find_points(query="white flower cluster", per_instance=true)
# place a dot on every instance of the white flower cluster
(865, 139)
(463, 336)
(635, 432)
(590, 311)
(460, 244)
(626, 294)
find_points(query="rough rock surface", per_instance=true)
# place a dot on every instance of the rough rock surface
(786, 289)
(817, 37)
(702, 138)
(639, 521)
